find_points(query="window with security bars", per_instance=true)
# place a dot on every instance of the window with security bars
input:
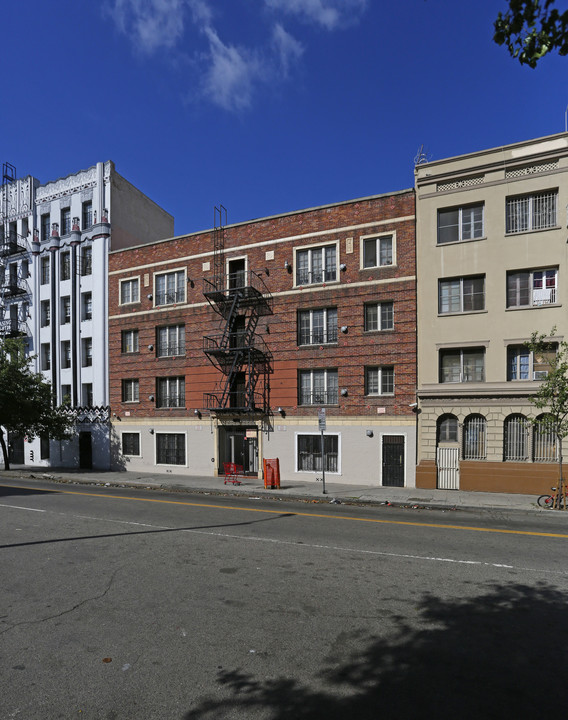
(318, 387)
(310, 455)
(131, 444)
(460, 365)
(378, 251)
(474, 438)
(170, 288)
(130, 390)
(459, 224)
(379, 381)
(316, 265)
(129, 340)
(447, 430)
(379, 316)
(545, 440)
(531, 212)
(317, 327)
(516, 438)
(529, 288)
(170, 392)
(170, 449)
(129, 291)
(170, 340)
(458, 295)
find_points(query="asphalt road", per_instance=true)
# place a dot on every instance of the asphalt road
(121, 603)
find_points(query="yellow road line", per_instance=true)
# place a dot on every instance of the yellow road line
(304, 514)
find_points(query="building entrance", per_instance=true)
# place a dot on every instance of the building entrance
(239, 445)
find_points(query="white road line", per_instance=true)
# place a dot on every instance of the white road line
(17, 507)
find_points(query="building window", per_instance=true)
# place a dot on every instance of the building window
(87, 214)
(378, 251)
(131, 444)
(532, 288)
(86, 306)
(516, 438)
(462, 365)
(309, 453)
(170, 288)
(317, 327)
(129, 291)
(129, 342)
(318, 387)
(45, 227)
(316, 265)
(475, 438)
(44, 447)
(66, 354)
(545, 441)
(87, 352)
(87, 394)
(170, 392)
(522, 365)
(379, 316)
(170, 340)
(65, 221)
(45, 357)
(87, 261)
(66, 394)
(45, 270)
(65, 265)
(447, 429)
(65, 310)
(531, 212)
(130, 391)
(379, 381)
(45, 313)
(461, 223)
(460, 295)
(170, 449)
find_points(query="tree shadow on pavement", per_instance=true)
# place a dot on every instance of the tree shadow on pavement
(498, 655)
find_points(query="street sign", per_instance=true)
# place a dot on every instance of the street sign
(321, 419)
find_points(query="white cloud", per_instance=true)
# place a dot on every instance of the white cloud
(331, 14)
(287, 48)
(152, 24)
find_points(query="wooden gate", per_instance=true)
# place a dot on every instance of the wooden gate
(448, 468)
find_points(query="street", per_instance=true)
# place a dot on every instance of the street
(124, 603)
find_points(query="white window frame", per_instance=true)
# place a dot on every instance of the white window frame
(179, 345)
(379, 307)
(462, 223)
(529, 219)
(460, 289)
(538, 297)
(297, 435)
(327, 373)
(311, 250)
(175, 382)
(131, 282)
(327, 337)
(379, 369)
(127, 344)
(179, 290)
(133, 384)
(461, 350)
(129, 432)
(377, 237)
(158, 434)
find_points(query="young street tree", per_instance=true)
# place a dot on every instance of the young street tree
(26, 400)
(532, 28)
(552, 394)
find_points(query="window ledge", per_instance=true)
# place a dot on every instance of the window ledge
(377, 332)
(461, 242)
(517, 308)
(532, 232)
(464, 312)
(372, 268)
(318, 344)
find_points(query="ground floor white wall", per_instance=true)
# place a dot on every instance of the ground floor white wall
(68, 453)
(202, 445)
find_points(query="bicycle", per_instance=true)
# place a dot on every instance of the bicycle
(557, 500)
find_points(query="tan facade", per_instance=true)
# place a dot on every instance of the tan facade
(491, 267)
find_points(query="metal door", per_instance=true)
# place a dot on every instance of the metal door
(85, 451)
(448, 468)
(16, 449)
(393, 461)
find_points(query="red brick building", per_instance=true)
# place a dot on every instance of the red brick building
(326, 319)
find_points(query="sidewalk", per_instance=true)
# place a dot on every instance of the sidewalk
(301, 490)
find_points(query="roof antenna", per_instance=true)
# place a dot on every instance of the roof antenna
(421, 156)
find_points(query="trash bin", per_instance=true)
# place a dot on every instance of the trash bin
(271, 473)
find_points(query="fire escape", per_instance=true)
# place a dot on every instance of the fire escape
(13, 267)
(240, 298)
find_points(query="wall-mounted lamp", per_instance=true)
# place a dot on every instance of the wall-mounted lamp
(150, 296)
(150, 348)
(151, 398)
(197, 412)
(281, 411)
(344, 392)
(151, 431)
(343, 267)
(344, 329)
(287, 266)
(369, 433)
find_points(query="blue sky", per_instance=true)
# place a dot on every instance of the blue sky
(265, 106)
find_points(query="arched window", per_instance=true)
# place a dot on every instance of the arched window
(545, 443)
(447, 428)
(516, 438)
(475, 438)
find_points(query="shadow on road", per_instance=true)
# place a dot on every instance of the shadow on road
(9, 491)
(499, 655)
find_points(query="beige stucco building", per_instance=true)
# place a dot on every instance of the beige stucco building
(492, 265)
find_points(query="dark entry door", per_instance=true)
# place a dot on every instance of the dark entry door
(393, 461)
(240, 446)
(15, 449)
(85, 450)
